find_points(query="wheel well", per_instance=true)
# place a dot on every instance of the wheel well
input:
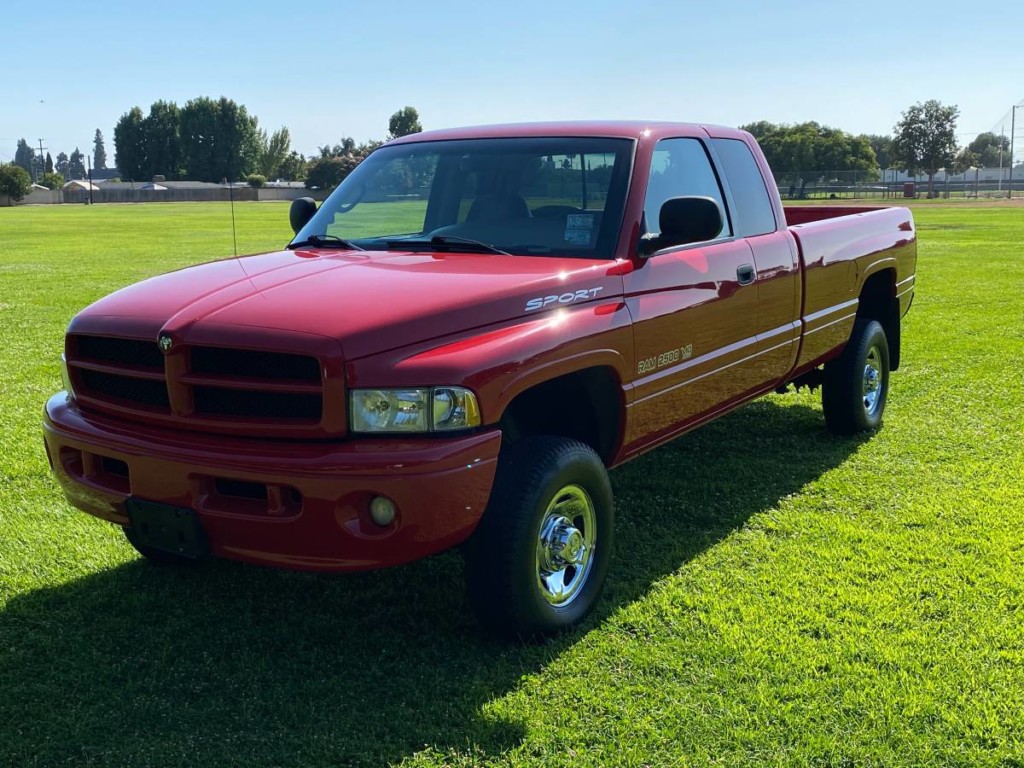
(585, 405)
(878, 302)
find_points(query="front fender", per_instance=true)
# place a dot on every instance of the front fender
(500, 362)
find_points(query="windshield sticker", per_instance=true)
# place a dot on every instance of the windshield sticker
(579, 228)
(579, 221)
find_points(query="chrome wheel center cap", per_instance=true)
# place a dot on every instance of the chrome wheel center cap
(564, 545)
(870, 379)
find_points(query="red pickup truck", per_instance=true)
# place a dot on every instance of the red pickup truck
(460, 342)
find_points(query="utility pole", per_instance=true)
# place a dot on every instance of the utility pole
(42, 161)
(1002, 140)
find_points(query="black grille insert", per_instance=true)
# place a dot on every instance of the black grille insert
(114, 466)
(141, 391)
(240, 489)
(220, 401)
(258, 365)
(103, 349)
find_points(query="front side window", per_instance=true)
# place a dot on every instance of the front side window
(524, 196)
(680, 168)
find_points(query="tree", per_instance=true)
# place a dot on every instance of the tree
(810, 149)
(293, 167)
(273, 151)
(965, 160)
(347, 146)
(993, 150)
(24, 156)
(329, 172)
(99, 152)
(925, 139)
(62, 166)
(15, 182)
(129, 145)
(219, 140)
(404, 122)
(52, 180)
(161, 141)
(76, 165)
(48, 165)
(882, 146)
(337, 162)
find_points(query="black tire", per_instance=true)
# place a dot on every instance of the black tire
(156, 556)
(518, 578)
(856, 384)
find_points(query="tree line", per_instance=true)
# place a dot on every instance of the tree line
(215, 140)
(43, 170)
(923, 141)
(205, 140)
(338, 161)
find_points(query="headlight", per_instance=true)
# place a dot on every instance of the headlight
(436, 409)
(66, 376)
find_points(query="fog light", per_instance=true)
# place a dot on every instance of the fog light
(382, 510)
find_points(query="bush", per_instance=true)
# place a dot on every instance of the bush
(256, 180)
(52, 180)
(14, 182)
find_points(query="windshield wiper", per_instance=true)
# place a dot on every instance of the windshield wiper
(449, 240)
(325, 241)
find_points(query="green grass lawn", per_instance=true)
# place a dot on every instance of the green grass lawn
(778, 596)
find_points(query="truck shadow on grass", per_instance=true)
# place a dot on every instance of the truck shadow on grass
(229, 664)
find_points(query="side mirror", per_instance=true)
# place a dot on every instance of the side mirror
(301, 212)
(685, 220)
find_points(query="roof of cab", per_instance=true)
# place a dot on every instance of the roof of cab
(623, 129)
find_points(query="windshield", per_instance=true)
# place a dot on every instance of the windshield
(524, 196)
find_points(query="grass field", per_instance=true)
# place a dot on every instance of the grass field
(778, 596)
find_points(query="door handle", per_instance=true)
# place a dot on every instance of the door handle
(745, 273)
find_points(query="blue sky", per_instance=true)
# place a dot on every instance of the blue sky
(340, 69)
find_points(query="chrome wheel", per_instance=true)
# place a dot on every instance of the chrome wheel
(872, 383)
(566, 545)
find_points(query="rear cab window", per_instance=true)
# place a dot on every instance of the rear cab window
(753, 212)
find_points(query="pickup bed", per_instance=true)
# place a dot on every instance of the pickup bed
(460, 342)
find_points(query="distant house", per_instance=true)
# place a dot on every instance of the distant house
(78, 184)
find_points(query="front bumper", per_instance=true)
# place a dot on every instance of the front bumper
(300, 505)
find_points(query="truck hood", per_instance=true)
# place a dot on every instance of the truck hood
(368, 301)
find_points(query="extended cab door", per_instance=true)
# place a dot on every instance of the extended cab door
(779, 284)
(694, 308)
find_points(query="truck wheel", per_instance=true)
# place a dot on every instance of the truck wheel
(538, 560)
(856, 383)
(155, 556)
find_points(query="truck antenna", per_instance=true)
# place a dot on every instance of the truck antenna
(234, 235)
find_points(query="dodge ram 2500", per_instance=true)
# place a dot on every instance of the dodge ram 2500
(460, 342)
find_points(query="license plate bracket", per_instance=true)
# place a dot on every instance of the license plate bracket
(167, 528)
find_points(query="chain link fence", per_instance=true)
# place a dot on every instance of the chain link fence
(835, 185)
